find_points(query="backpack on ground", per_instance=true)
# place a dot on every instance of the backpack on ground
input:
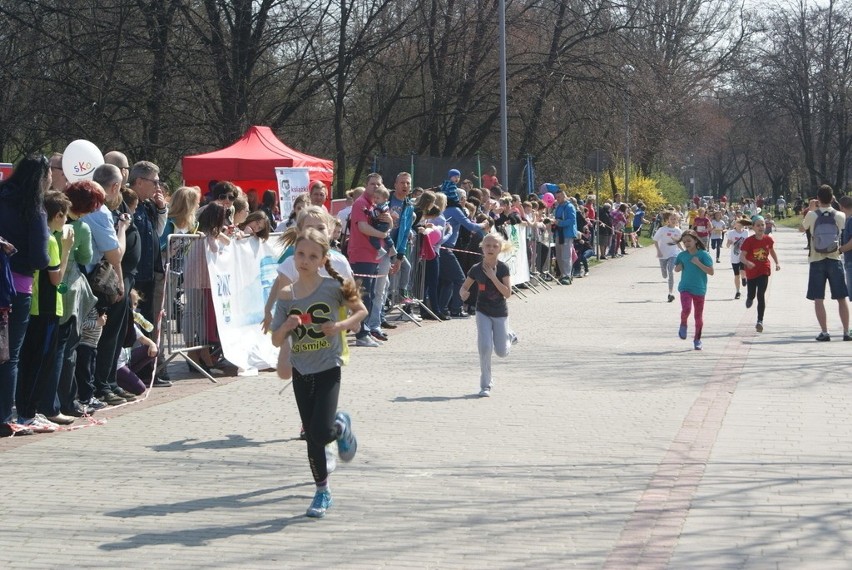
(826, 234)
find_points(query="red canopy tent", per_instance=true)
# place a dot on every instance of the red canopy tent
(251, 161)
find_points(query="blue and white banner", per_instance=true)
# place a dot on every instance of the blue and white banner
(241, 278)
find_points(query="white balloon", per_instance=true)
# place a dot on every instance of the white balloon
(80, 160)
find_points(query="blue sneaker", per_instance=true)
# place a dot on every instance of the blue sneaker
(698, 345)
(681, 332)
(321, 503)
(347, 443)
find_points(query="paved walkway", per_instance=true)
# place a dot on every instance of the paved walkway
(607, 443)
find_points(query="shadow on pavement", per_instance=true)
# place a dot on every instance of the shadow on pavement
(231, 441)
(238, 501)
(202, 536)
(437, 398)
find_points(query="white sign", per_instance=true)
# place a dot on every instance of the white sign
(517, 258)
(241, 278)
(291, 183)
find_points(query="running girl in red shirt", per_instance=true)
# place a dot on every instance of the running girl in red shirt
(754, 255)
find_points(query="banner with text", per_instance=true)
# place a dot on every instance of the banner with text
(517, 258)
(291, 183)
(241, 277)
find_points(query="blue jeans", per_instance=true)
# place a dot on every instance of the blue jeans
(401, 280)
(430, 283)
(369, 290)
(376, 316)
(18, 319)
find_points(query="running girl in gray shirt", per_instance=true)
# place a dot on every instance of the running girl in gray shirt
(312, 312)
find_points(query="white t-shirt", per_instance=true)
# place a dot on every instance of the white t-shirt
(283, 225)
(343, 214)
(717, 227)
(737, 238)
(338, 262)
(666, 238)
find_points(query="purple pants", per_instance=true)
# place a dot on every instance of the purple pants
(127, 376)
(687, 302)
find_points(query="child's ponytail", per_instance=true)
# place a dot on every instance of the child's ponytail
(347, 286)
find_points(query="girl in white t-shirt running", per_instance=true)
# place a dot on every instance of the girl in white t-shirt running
(667, 242)
(310, 217)
(735, 240)
(717, 233)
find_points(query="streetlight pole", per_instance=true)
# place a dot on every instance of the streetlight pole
(627, 70)
(504, 113)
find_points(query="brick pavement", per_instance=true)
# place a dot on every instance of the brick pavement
(608, 442)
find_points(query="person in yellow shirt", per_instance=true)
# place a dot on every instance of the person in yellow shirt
(40, 343)
(690, 216)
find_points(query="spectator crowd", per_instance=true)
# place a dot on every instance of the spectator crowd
(83, 263)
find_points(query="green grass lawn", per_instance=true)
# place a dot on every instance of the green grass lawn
(791, 222)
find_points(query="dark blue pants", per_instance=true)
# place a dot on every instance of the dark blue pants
(430, 283)
(452, 278)
(36, 381)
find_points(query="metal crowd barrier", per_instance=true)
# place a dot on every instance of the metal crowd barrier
(189, 323)
(403, 304)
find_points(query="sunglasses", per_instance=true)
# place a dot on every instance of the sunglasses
(230, 197)
(152, 181)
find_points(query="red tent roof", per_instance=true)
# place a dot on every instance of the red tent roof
(253, 157)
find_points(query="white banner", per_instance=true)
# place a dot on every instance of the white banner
(517, 258)
(241, 278)
(291, 183)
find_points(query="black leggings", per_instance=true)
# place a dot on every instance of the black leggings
(316, 398)
(758, 285)
(716, 245)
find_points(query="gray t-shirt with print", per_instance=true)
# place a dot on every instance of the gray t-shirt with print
(312, 351)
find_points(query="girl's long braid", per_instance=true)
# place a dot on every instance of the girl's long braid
(289, 236)
(350, 291)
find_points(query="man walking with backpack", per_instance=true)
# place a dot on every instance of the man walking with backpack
(825, 224)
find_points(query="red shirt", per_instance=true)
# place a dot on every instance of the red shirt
(488, 181)
(757, 251)
(360, 249)
(702, 226)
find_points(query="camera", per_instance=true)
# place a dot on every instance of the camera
(125, 217)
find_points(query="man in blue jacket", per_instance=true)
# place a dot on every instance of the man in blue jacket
(565, 220)
(402, 212)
